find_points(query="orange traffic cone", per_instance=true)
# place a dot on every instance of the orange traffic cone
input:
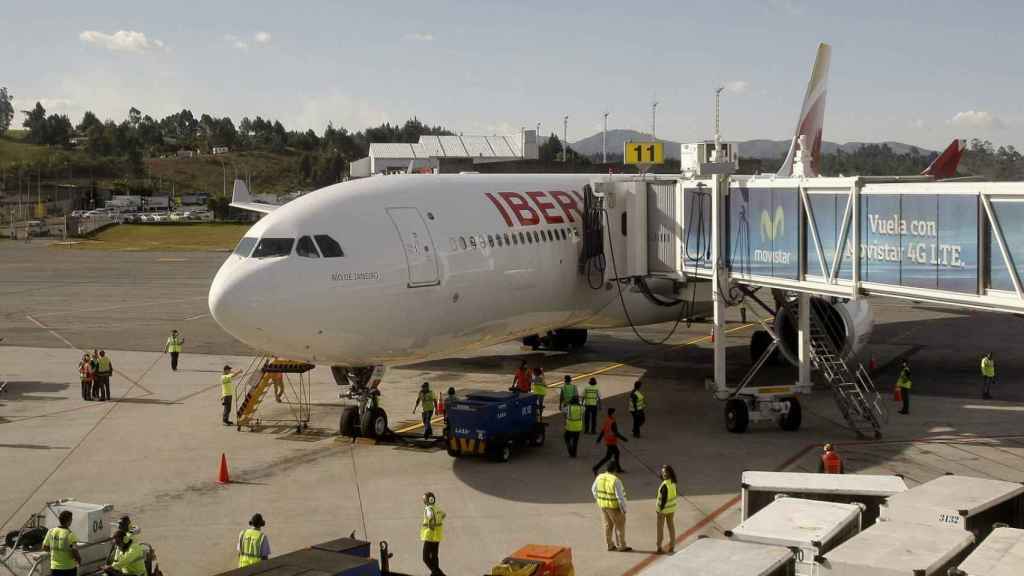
(712, 334)
(223, 478)
(897, 394)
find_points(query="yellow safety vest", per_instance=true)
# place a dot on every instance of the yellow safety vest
(103, 365)
(432, 530)
(574, 418)
(568, 392)
(988, 368)
(131, 561)
(540, 387)
(427, 400)
(590, 395)
(227, 387)
(903, 381)
(641, 402)
(174, 344)
(670, 502)
(61, 541)
(606, 491)
(250, 543)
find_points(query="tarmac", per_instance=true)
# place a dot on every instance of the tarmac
(154, 451)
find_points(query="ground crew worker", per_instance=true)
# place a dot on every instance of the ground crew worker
(85, 375)
(432, 533)
(521, 381)
(227, 392)
(426, 399)
(988, 375)
(637, 408)
(277, 379)
(610, 436)
(253, 545)
(611, 499)
(129, 557)
(591, 404)
(573, 425)
(173, 347)
(104, 369)
(125, 525)
(539, 387)
(830, 462)
(567, 393)
(60, 543)
(667, 504)
(903, 383)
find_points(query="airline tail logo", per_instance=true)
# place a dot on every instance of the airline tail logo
(773, 229)
(812, 114)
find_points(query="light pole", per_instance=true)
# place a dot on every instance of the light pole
(565, 139)
(604, 141)
(654, 116)
(718, 133)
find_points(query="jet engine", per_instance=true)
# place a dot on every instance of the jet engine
(848, 324)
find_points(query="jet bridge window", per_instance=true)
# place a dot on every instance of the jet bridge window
(245, 246)
(329, 247)
(306, 248)
(273, 247)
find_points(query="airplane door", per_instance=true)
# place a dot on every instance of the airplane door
(420, 255)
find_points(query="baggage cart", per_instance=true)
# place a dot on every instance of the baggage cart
(1001, 554)
(310, 561)
(491, 423)
(898, 549)
(972, 504)
(760, 488)
(713, 557)
(809, 528)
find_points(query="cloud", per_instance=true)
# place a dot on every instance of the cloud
(342, 109)
(420, 36)
(261, 37)
(790, 7)
(977, 119)
(121, 41)
(736, 86)
(236, 42)
(917, 123)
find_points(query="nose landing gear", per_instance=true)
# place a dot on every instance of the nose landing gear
(366, 418)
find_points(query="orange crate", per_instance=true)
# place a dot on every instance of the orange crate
(554, 560)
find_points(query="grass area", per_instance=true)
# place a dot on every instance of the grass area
(271, 173)
(13, 149)
(165, 237)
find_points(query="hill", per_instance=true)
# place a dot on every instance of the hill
(760, 149)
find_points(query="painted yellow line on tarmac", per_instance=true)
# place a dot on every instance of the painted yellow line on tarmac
(608, 368)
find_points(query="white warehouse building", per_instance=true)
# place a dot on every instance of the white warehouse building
(424, 156)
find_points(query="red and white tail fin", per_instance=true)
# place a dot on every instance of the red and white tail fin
(944, 166)
(812, 115)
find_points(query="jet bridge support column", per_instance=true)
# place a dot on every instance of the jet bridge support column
(804, 340)
(718, 267)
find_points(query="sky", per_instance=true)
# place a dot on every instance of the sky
(916, 72)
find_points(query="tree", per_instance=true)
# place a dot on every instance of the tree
(88, 121)
(35, 121)
(6, 110)
(58, 130)
(551, 150)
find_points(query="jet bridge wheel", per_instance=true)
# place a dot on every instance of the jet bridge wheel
(737, 417)
(790, 421)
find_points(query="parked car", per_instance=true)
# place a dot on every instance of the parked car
(38, 228)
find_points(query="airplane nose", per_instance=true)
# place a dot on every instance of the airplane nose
(232, 302)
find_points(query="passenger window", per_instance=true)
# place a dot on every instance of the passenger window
(273, 247)
(529, 238)
(462, 242)
(498, 237)
(515, 241)
(472, 242)
(490, 241)
(306, 248)
(507, 240)
(536, 238)
(563, 233)
(245, 246)
(329, 247)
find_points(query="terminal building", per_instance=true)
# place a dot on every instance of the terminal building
(428, 154)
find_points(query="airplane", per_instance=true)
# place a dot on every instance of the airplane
(390, 270)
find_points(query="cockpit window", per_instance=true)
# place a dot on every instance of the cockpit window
(273, 247)
(244, 247)
(329, 247)
(306, 248)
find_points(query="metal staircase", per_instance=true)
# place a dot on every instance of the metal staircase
(855, 394)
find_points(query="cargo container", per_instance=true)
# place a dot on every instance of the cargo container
(1001, 554)
(898, 549)
(760, 488)
(713, 557)
(972, 504)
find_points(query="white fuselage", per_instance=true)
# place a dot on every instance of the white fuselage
(433, 265)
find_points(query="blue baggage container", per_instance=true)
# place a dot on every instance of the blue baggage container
(491, 423)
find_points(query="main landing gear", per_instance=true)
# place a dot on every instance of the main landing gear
(561, 339)
(366, 418)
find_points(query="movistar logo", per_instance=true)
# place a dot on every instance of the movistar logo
(773, 229)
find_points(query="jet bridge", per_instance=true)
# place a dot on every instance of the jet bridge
(957, 243)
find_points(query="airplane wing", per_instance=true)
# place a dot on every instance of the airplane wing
(241, 199)
(812, 115)
(944, 166)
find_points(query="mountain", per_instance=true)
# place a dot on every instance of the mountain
(762, 149)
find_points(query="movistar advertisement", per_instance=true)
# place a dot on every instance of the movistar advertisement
(764, 232)
(1007, 213)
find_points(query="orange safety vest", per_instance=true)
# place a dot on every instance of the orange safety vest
(833, 463)
(609, 437)
(522, 380)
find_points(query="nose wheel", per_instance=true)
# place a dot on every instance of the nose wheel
(366, 418)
